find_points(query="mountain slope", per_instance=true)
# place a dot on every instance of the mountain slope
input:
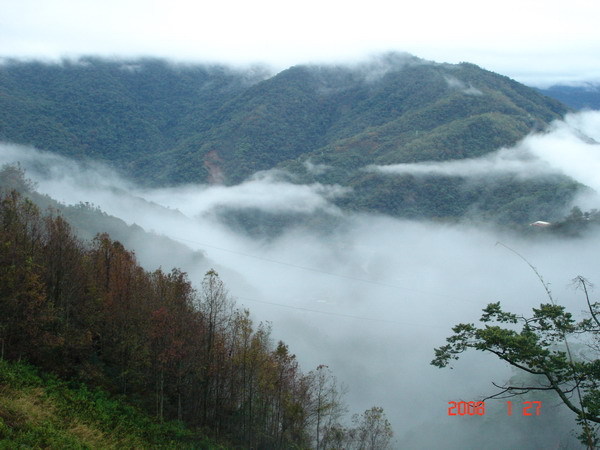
(164, 124)
(114, 111)
(389, 110)
(411, 111)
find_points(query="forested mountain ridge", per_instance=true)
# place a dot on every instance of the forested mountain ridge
(166, 124)
(413, 111)
(131, 112)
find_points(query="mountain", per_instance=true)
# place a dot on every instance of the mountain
(167, 124)
(410, 111)
(114, 111)
(586, 96)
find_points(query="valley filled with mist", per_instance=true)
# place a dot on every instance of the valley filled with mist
(362, 213)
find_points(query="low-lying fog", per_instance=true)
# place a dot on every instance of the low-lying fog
(373, 298)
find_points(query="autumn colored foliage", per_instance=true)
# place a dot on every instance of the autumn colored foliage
(88, 311)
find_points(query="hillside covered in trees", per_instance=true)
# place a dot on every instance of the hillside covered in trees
(87, 311)
(168, 124)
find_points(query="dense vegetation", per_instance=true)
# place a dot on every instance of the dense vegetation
(89, 312)
(170, 124)
(111, 111)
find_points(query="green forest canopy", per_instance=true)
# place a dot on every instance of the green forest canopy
(166, 124)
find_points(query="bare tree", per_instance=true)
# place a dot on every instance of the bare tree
(372, 430)
(326, 406)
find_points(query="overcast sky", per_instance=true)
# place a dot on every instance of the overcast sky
(534, 41)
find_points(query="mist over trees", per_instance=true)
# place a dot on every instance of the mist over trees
(322, 124)
(88, 311)
(350, 205)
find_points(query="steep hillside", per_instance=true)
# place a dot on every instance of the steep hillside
(88, 221)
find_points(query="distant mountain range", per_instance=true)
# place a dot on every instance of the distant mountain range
(166, 124)
(586, 96)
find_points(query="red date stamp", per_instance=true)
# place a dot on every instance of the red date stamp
(466, 408)
(478, 408)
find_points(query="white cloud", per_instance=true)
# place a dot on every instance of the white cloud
(570, 147)
(455, 83)
(71, 182)
(503, 162)
(265, 193)
(518, 39)
(315, 169)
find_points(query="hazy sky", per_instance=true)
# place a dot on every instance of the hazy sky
(531, 40)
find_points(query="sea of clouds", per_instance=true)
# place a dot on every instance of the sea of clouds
(374, 297)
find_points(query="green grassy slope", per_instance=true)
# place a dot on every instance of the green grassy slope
(38, 410)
